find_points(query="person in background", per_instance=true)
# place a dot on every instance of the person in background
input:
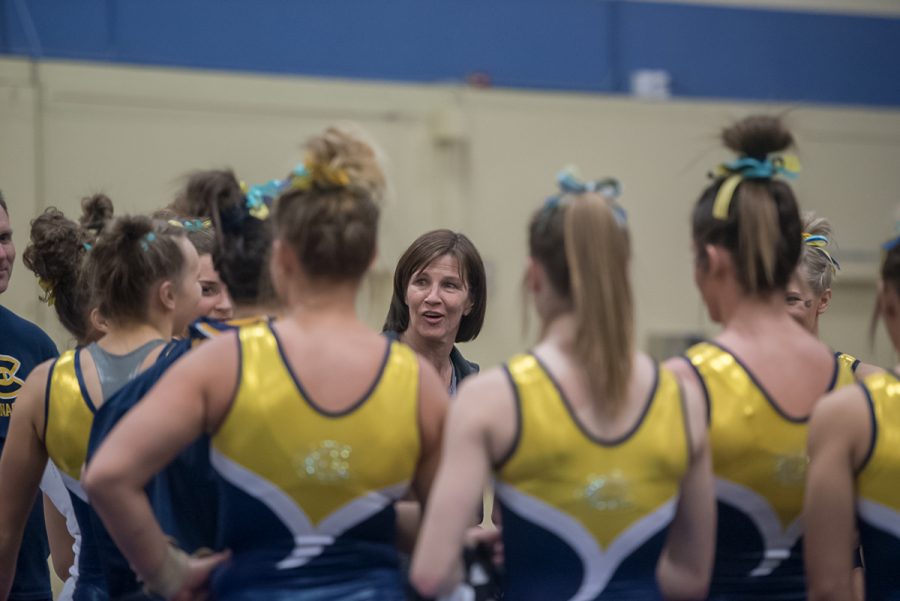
(23, 346)
(599, 454)
(183, 495)
(215, 302)
(808, 293)
(348, 420)
(439, 299)
(142, 277)
(854, 467)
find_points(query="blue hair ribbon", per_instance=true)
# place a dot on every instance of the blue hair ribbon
(750, 168)
(146, 240)
(570, 183)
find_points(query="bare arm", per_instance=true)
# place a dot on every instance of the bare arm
(839, 436)
(432, 411)
(685, 565)
(191, 398)
(461, 479)
(59, 538)
(21, 467)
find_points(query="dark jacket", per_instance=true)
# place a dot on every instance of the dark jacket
(461, 367)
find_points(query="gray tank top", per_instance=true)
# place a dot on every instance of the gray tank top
(115, 371)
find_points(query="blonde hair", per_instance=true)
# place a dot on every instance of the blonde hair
(816, 259)
(329, 216)
(585, 250)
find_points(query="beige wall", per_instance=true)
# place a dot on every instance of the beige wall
(475, 160)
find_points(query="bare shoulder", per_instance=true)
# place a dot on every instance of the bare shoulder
(682, 368)
(31, 397)
(486, 393)
(842, 419)
(864, 370)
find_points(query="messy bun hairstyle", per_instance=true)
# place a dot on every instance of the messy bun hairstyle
(330, 217)
(240, 253)
(762, 229)
(817, 260)
(56, 255)
(132, 255)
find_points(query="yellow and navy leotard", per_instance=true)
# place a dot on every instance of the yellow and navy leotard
(306, 496)
(583, 518)
(847, 361)
(69, 414)
(877, 490)
(759, 462)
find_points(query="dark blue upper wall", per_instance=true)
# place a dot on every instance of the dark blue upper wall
(586, 45)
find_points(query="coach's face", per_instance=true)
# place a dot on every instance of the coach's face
(7, 251)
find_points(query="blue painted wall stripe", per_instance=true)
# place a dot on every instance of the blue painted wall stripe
(580, 45)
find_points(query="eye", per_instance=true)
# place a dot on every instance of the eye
(209, 289)
(793, 300)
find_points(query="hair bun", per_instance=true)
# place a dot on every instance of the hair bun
(337, 154)
(96, 211)
(129, 229)
(757, 136)
(206, 192)
(55, 247)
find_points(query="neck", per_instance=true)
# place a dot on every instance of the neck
(245, 311)
(749, 312)
(124, 339)
(323, 301)
(560, 330)
(436, 352)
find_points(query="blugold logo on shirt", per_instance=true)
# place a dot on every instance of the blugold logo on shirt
(9, 383)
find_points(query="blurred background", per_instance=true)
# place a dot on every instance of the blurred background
(476, 104)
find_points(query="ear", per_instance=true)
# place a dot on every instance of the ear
(166, 295)
(717, 259)
(281, 259)
(470, 304)
(824, 302)
(535, 276)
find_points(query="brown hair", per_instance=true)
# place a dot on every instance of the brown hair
(132, 255)
(817, 260)
(890, 276)
(3, 204)
(241, 250)
(56, 254)
(585, 252)
(762, 230)
(425, 249)
(331, 219)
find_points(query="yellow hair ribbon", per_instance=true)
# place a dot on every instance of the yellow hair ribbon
(749, 168)
(820, 243)
(724, 196)
(49, 294)
(260, 211)
(318, 172)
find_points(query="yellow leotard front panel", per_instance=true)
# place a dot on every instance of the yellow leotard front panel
(606, 488)
(877, 482)
(69, 419)
(309, 466)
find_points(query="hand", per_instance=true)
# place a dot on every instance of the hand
(195, 587)
(489, 537)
